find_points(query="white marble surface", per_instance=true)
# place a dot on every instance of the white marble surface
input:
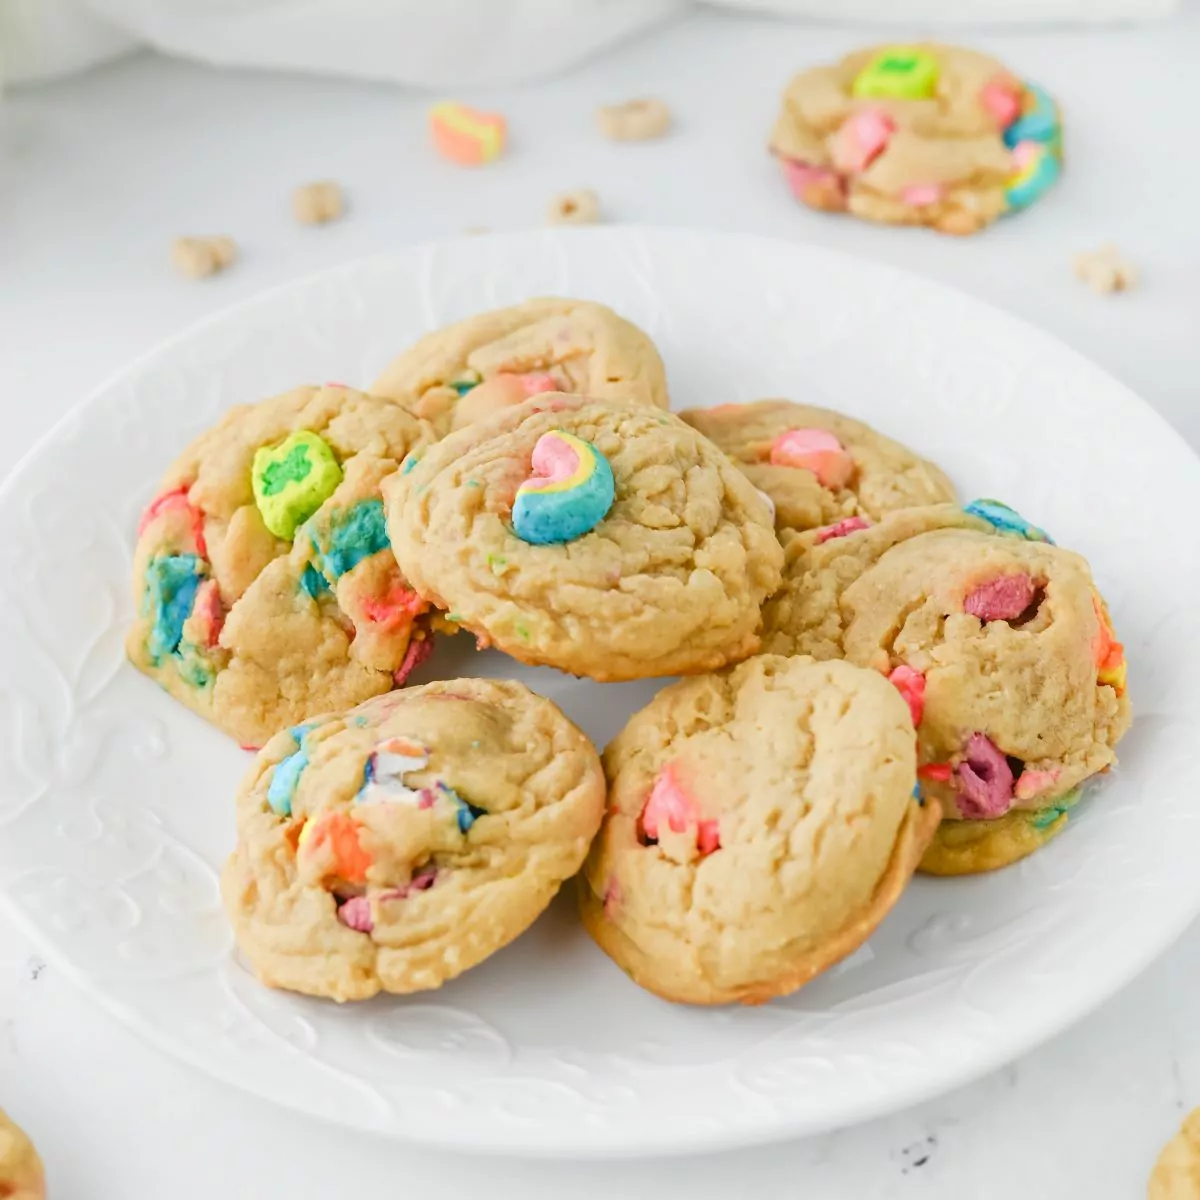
(100, 173)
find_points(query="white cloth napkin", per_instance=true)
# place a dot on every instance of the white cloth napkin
(437, 44)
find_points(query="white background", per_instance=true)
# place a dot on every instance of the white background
(100, 173)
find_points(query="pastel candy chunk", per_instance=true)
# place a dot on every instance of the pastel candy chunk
(1109, 653)
(815, 450)
(354, 534)
(175, 503)
(286, 779)
(1039, 121)
(841, 529)
(292, 480)
(1002, 598)
(984, 779)
(820, 187)
(670, 807)
(911, 685)
(862, 138)
(1037, 171)
(417, 652)
(331, 840)
(1002, 98)
(1006, 520)
(465, 135)
(1033, 783)
(385, 771)
(172, 581)
(570, 492)
(1043, 818)
(921, 195)
(898, 73)
(355, 913)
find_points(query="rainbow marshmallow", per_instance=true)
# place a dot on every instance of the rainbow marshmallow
(465, 135)
(570, 492)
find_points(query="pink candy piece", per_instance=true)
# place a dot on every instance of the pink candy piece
(936, 772)
(802, 176)
(921, 194)
(1024, 153)
(862, 138)
(400, 604)
(419, 649)
(208, 607)
(356, 914)
(1033, 783)
(1002, 100)
(554, 459)
(1003, 598)
(538, 381)
(176, 501)
(815, 450)
(911, 685)
(670, 803)
(985, 780)
(849, 525)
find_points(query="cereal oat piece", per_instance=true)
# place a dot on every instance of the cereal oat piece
(395, 846)
(21, 1175)
(924, 134)
(760, 824)
(1176, 1175)
(201, 256)
(317, 203)
(466, 135)
(634, 121)
(579, 207)
(1105, 270)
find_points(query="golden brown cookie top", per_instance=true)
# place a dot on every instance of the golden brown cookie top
(817, 466)
(395, 845)
(610, 540)
(760, 823)
(475, 367)
(21, 1176)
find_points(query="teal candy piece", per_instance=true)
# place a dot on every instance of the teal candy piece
(313, 582)
(287, 774)
(468, 813)
(1044, 817)
(1006, 520)
(410, 464)
(918, 795)
(1032, 183)
(172, 581)
(354, 534)
(463, 386)
(1039, 125)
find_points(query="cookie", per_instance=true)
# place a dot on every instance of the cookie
(999, 642)
(924, 134)
(392, 847)
(21, 1176)
(818, 467)
(609, 540)
(761, 822)
(469, 370)
(1176, 1175)
(265, 585)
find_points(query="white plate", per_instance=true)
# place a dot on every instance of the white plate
(116, 803)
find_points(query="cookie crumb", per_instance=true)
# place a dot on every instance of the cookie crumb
(198, 257)
(634, 120)
(1105, 270)
(319, 202)
(579, 207)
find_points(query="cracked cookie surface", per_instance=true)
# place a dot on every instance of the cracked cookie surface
(761, 822)
(670, 580)
(863, 474)
(1000, 643)
(394, 846)
(255, 629)
(469, 370)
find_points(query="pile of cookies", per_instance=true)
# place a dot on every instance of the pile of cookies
(879, 680)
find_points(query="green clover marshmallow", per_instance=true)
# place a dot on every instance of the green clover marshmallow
(292, 480)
